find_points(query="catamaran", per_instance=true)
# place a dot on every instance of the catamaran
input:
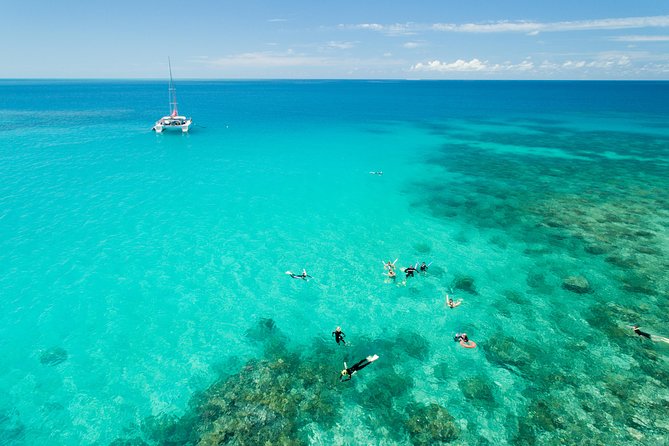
(174, 121)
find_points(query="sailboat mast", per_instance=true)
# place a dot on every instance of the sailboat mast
(172, 92)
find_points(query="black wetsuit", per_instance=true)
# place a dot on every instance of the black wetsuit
(339, 336)
(302, 276)
(423, 267)
(641, 333)
(409, 271)
(354, 368)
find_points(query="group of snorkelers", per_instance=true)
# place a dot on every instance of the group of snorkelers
(348, 372)
(408, 271)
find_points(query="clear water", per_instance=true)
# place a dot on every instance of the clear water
(135, 268)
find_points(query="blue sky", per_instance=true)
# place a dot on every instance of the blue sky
(516, 39)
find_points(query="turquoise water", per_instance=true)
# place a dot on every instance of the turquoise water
(144, 295)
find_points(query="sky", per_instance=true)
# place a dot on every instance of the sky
(265, 39)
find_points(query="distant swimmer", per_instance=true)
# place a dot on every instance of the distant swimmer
(450, 303)
(376, 173)
(424, 267)
(410, 271)
(464, 340)
(392, 275)
(339, 335)
(348, 372)
(643, 334)
(302, 276)
(389, 265)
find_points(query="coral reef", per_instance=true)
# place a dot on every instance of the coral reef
(53, 356)
(577, 284)
(431, 424)
(464, 283)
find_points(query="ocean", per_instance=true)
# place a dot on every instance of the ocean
(143, 289)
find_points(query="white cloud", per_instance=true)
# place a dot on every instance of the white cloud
(277, 20)
(641, 38)
(340, 45)
(270, 59)
(473, 65)
(528, 27)
(412, 45)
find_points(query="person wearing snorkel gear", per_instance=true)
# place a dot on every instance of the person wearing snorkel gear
(347, 373)
(339, 335)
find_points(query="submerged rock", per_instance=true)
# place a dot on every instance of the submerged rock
(577, 284)
(464, 283)
(53, 356)
(430, 425)
(476, 388)
(503, 350)
(422, 248)
(596, 249)
(413, 345)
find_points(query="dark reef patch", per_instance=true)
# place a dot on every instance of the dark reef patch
(53, 356)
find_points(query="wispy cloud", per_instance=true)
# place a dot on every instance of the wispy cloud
(461, 65)
(641, 38)
(270, 59)
(340, 45)
(602, 62)
(415, 44)
(528, 27)
(277, 20)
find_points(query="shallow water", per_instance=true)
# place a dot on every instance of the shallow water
(137, 270)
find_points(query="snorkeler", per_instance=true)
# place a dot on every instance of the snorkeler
(348, 372)
(643, 334)
(339, 335)
(635, 329)
(450, 303)
(464, 341)
(409, 271)
(389, 265)
(423, 267)
(302, 276)
(378, 172)
(461, 337)
(391, 274)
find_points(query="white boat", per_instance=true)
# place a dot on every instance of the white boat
(174, 121)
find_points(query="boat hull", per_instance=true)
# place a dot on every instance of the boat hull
(173, 124)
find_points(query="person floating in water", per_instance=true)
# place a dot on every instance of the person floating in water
(450, 303)
(391, 274)
(410, 271)
(643, 334)
(461, 337)
(378, 172)
(390, 266)
(464, 340)
(339, 335)
(423, 267)
(302, 276)
(348, 372)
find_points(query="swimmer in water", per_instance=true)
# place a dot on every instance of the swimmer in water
(348, 372)
(391, 274)
(423, 267)
(389, 265)
(461, 337)
(450, 303)
(302, 276)
(409, 271)
(376, 173)
(339, 335)
(643, 334)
